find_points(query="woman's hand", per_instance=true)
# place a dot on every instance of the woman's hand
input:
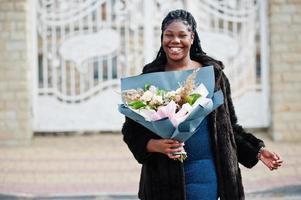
(165, 146)
(271, 160)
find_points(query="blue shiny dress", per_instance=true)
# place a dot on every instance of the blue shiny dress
(199, 167)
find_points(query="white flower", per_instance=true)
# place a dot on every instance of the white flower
(170, 94)
(153, 89)
(158, 99)
(147, 96)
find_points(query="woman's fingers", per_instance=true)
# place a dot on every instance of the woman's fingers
(275, 156)
(173, 143)
(173, 156)
(166, 146)
(169, 147)
(277, 162)
(176, 145)
(177, 149)
(170, 141)
(174, 149)
(274, 164)
(173, 146)
(268, 163)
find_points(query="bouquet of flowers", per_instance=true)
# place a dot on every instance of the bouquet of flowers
(154, 103)
(171, 104)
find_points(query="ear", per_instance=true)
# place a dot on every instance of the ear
(192, 37)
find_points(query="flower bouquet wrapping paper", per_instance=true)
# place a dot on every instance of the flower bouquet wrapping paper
(178, 121)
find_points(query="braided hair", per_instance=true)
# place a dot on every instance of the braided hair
(196, 52)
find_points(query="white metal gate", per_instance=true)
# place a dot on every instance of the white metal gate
(85, 46)
(84, 49)
(235, 31)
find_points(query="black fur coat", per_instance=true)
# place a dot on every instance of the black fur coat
(163, 178)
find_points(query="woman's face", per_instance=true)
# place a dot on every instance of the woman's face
(177, 40)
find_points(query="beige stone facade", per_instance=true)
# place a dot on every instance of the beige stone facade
(15, 72)
(285, 69)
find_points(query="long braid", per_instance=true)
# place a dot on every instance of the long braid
(196, 52)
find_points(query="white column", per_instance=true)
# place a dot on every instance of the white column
(148, 47)
(264, 60)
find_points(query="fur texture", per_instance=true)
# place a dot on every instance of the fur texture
(163, 178)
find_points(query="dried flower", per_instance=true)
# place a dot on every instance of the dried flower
(187, 88)
(132, 95)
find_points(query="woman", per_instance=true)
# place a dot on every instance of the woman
(214, 151)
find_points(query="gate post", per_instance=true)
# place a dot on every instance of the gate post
(15, 72)
(264, 60)
(285, 59)
(148, 35)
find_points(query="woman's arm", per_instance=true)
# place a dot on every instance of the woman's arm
(247, 144)
(249, 148)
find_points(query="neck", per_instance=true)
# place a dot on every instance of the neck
(179, 65)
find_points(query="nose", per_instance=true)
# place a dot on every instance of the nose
(175, 40)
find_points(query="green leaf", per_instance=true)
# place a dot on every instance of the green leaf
(137, 104)
(160, 92)
(191, 99)
(146, 86)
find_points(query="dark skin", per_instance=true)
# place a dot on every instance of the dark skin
(177, 40)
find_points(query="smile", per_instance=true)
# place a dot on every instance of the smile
(175, 49)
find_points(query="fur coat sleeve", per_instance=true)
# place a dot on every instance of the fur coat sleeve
(247, 144)
(136, 137)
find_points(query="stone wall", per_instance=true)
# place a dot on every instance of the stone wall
(15, 72)
(285, 65)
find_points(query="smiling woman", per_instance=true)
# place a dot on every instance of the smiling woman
(218, 144)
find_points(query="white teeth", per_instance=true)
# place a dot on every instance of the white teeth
(175, 49)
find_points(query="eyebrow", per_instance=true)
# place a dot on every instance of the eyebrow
(176, 31)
